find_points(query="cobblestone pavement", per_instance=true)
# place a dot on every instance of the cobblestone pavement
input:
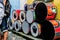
(12, 36)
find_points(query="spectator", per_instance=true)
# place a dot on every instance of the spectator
(4, 28)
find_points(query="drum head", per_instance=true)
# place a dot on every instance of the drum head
(30, 16)
(25, 27)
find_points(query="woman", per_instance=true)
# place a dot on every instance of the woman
(4, 27)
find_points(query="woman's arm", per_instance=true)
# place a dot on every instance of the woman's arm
(4, 2)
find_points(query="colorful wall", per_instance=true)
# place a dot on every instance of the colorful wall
(14, 5)
(57, 3)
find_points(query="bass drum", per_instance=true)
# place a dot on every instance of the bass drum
(35, 29)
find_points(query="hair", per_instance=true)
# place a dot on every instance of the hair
(41, 11)
(7, 8)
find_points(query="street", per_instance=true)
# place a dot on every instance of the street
(12, 36)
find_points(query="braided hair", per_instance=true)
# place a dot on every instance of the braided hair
(7, 8)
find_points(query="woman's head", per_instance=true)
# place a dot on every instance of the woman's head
(41, 11)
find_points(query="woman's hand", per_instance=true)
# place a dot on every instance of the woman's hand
(4, 2)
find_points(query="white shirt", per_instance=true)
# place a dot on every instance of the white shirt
(1, 12)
